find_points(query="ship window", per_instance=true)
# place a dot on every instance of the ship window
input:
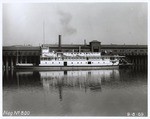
(52, 62)
(81, 62)
(59, 62)
(71, 62)
(77, 62)
(89, 62)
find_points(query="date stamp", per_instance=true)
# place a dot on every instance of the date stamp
(16, 113)
(135, 114)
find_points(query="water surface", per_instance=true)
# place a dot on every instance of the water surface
(112, 92)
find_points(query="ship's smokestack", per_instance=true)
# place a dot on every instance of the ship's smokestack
(59, 45)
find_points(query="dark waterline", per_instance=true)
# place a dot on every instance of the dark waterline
(112, 92)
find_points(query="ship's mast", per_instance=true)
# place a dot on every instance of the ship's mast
(43, 31)
(17, 55)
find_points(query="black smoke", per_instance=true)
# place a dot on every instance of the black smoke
(65, 21)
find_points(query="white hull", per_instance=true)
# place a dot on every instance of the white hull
(62, 68)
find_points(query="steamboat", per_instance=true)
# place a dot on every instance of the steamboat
(73, 61)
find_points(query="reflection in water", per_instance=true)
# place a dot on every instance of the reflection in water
(76, 79)
(13, 79)
(76, 93)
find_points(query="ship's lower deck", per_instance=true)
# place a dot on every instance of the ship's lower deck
(79, 63)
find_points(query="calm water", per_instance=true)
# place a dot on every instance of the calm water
(112, 92)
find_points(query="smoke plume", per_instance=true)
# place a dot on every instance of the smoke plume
(65, 20)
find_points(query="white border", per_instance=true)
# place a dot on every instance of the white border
(1, 59)
(72, 1)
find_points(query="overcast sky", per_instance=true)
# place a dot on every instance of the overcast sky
(115, 23)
